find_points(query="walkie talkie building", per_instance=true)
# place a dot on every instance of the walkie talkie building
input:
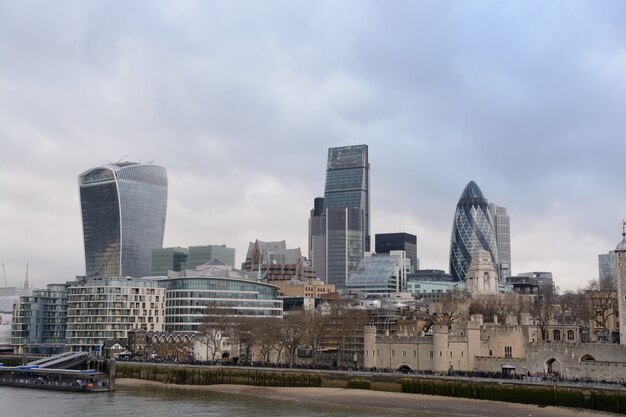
(472, 230)
(123, 210)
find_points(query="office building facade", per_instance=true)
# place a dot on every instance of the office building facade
(199, 255)
(347, 183)
(607, 266)
(472, 230)
(502, 229)
(381, 274)
(123, 208)
(386, 242)
(237, 293)
(339, 226)
(167, 259)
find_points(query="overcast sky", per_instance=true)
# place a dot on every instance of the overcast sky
(240, 101)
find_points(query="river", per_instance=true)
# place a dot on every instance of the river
(157, 401)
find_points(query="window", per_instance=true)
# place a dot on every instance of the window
(508, 351)
(570, 335)
(557, 335)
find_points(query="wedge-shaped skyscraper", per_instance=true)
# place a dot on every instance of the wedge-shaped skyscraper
(123, 208)
(472, 230)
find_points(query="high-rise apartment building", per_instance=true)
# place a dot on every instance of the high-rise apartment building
(386, 242)
(339, 224)
(472, 230)
(502, 228)
(40, 321)
(123, 211)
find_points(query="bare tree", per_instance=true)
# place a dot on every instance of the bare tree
(266, 332)
(292, 334)
(602, 302)
(315, 332)
(216, 326)
(344, 328)
(453, 305)
(542, 309)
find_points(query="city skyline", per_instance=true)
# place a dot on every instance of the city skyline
(241, 107)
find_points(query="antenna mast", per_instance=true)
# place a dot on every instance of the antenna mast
(4, 271)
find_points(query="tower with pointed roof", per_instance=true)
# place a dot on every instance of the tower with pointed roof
(472, 231)
(620, 253)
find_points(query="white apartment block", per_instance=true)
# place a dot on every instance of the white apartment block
(101, 309)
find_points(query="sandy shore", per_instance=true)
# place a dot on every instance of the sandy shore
(384, 400)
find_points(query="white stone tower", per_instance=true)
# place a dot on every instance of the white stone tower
(482, 277)
(620, 252)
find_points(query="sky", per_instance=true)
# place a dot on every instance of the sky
(240, 101)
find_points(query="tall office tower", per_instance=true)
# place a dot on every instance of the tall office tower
(341, 217)
(607, 266)
(315, 222)
(502, 228)
(386, 242)
(123, 210)
(472, 230)
(344, 244)
(347, 183)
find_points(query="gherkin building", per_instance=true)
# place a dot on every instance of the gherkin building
(472, 230)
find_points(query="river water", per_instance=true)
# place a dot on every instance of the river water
(160, 402)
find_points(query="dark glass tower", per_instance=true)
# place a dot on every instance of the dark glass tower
(347, 183)
(123, 209)
(472, 230)
(386, 242)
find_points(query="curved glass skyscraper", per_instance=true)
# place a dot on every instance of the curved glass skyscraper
(472, 230)
(123, 208)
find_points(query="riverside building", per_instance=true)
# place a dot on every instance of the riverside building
(101, 309)
(123, 209)
(40, 321)
(234, 292)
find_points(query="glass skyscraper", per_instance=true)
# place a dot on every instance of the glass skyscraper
(502, 229)
(347, 183)
(123, 210)
(339, 223)
(386, 242)
(472, 230)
